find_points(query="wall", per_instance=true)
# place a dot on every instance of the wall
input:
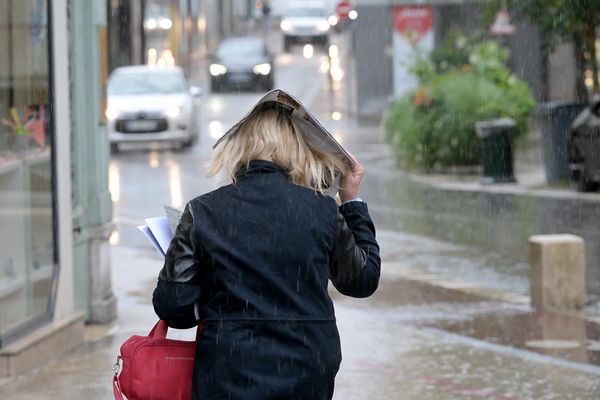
(373, 60)
(561, 73)
(92, 207)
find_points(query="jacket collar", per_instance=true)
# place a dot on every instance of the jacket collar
(258, 166)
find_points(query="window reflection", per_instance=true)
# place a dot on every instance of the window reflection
(26, 212)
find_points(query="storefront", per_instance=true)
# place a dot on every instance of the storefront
(39, 318)
(28, 253)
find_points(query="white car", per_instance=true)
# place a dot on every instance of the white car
(147, 104)
(305, 22)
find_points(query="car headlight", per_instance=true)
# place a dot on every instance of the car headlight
(111, 114)
(323, 26)
(286, 25)
(262, 69)
(173, 111)
(333, 20)
(217, 69)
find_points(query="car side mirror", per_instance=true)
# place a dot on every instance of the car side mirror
(195, 91)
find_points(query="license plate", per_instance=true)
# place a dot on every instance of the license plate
(239, 77)
(141, 126)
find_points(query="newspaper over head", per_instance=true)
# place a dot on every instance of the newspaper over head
(305, 122)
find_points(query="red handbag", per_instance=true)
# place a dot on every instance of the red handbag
(154, 367)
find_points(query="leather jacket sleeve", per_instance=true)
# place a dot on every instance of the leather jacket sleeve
(177, 290)
(355, 263)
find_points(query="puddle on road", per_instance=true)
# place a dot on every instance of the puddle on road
(402, 292)
(561, 336)
(514, 325)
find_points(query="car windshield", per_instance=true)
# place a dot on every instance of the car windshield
(151, 82)
(305, 12)
(240, 48)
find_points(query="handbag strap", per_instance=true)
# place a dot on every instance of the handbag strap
(159, 331)
(117, 389)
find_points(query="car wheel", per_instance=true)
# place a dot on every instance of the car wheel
(215, 87)
(190, 141)
(268, 86)
(287, 44)
(196, 137)
(178, 147)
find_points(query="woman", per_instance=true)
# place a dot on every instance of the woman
(252, 260)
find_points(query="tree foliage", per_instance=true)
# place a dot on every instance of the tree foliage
(562, 20)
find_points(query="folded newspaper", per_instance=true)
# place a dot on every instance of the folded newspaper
(312, 130)
(160, 230)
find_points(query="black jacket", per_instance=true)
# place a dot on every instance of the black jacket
(253, 260)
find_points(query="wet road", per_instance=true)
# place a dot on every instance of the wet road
(428, 333)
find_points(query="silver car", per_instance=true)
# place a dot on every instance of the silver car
(305, 22)
(148, 104)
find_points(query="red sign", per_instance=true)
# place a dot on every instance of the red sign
(413, 22)
(343, 9)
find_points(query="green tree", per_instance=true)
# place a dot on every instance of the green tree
(563, 20)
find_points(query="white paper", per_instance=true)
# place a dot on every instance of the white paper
(148, 233)
(161, 230)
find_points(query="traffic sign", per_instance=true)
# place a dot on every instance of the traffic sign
(343, 9)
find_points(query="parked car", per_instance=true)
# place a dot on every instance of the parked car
(147, 104)
(305, 22)
(242, 62)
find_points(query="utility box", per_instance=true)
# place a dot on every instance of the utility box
(497, 149)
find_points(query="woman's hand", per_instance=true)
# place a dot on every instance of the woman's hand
(351, 181)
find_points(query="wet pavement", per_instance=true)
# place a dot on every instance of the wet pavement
(451, 320)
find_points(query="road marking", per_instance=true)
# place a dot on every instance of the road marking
(513, 352)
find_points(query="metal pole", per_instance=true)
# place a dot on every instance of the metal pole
(142, 32)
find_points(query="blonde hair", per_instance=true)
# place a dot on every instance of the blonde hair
(271, 135)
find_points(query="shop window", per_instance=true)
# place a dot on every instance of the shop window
(27, 256)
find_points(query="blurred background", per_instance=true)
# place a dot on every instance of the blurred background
(478, 123)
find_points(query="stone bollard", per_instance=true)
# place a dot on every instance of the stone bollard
(557, 272)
